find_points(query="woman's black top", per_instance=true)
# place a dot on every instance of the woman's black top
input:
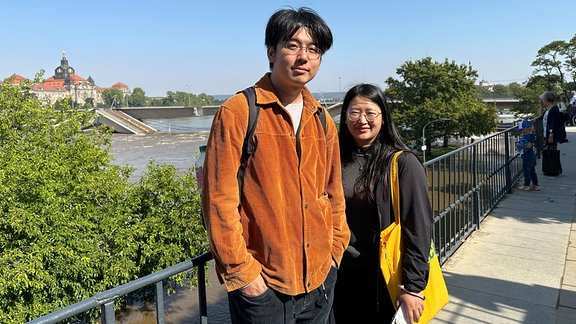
(367, 219)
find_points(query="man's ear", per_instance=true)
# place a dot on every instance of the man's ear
(271, 54)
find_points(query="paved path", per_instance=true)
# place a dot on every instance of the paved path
(520, 266)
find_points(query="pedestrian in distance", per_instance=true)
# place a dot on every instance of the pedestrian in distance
(368, 141)
(278, 238)
(554, 129)
(525, 146)
(554, 133)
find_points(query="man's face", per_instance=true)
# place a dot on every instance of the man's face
(295, 62)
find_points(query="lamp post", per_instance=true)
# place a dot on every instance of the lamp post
(424, 136)
(339, 85)
(75, 95)
(189, 95)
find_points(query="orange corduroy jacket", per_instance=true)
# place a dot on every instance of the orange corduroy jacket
(290, 223)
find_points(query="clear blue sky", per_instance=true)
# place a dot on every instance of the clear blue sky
(217, 47)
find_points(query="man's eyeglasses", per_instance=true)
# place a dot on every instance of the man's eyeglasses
(293, 48)
(355, 116)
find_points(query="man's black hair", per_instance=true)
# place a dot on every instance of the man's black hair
(284, 23)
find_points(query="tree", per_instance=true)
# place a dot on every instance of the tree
(71, 224)
(112, 98)
(204, 99)
(549, 59)
(180, 98)
(137, 98)
(89, 103)
(429, 91)
(570, 61)
(554, 70)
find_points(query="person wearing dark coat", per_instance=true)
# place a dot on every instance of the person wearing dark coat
(368, 141)
(554, 130)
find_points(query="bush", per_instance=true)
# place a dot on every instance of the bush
(71, 224)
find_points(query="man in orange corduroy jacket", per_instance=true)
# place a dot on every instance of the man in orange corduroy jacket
(278, 242)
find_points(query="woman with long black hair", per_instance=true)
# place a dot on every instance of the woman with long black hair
(368, 140)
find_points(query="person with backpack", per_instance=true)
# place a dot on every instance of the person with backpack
(277, 226)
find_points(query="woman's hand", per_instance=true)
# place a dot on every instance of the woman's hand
(414, 304)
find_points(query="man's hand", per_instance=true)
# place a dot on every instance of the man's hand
(255, 288)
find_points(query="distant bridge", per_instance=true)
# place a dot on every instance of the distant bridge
(129, 119)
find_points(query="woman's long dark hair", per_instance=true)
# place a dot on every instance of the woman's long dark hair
(387, 142)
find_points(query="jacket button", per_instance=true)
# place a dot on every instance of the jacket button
(305, 206)
(308, 284)
(307, 245)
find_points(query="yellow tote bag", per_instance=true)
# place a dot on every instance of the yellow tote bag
(391, 247)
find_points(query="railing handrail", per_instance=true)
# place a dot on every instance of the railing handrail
(467, 183)
(113, 293)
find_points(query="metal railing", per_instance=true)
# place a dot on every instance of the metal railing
(106, 299)
(464, 186)
(467, 183)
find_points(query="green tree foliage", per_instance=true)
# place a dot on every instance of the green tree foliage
(137, 98)
(112, 98)
(180, 98)
(89, 103)
(499, 90)
(430, 91)
(554, 70)
(71, 224)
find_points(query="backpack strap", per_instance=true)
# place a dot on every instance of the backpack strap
(249, 146)
(322, 117)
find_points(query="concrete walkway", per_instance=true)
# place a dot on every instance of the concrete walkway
(520, 266)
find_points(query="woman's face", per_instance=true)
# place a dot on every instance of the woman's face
(544, 104)
(364, 131)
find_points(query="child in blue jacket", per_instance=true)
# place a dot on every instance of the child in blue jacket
(525, 146)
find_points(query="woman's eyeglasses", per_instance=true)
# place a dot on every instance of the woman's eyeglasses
(355, 116)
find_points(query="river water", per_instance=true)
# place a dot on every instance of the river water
(178, 149)
(183, 306)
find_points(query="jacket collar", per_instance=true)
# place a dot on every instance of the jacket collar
(265, 95)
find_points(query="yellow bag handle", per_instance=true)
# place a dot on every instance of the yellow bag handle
(394, 187)
(390, 241)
